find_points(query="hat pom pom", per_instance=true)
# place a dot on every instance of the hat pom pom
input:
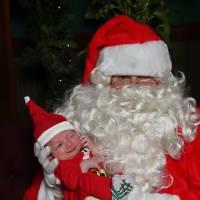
(27, 99)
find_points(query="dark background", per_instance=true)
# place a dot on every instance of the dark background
(184, 17)
(17, 164)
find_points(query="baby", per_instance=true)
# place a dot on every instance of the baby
(76, 169)
(67, 144)
(78, 158)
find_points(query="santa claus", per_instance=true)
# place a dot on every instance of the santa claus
(136, 108)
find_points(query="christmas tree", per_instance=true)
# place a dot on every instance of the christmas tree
(152, 12)
(51, 53)
(51, 57)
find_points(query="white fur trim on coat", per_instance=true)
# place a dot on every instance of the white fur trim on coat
(49, 193)
(45, 193)
(91, 198)
(146, 59)
(136, 193)
(54, 130)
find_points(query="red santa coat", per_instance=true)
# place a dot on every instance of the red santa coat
(185, 172)
(33, 190)
(77, 185)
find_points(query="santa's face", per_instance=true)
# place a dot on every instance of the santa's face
(119, 82)
(65, 145)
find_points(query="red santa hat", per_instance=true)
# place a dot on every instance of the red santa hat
(123, 46)
(46, 125)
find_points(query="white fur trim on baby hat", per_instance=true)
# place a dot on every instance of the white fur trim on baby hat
(54, 130)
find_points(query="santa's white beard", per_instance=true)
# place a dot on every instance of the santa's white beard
(135, 127)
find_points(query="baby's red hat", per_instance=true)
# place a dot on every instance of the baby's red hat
(46, 125)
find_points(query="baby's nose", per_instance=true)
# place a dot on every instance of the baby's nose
(68, 142)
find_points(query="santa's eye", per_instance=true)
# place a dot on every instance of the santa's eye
(125, 77)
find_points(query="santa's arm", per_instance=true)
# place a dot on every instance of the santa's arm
(186, 172)
(45, 184)
(32, 192)
(39, 190)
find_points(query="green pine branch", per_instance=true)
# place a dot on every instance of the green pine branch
(50, 48)
(152, 12)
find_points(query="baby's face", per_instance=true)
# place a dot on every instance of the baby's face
(65, 145)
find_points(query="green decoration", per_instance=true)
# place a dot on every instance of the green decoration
(125, 188)
(51, 50)
(152, 12)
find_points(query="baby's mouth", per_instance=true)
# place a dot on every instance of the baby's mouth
(70, 150)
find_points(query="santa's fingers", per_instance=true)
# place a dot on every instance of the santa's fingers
(96, 166)
(85, 141)
(51, 165)
(98, 159)
(84, 138)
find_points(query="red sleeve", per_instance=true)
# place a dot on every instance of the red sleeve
(69, 173)
(32, 192)
(186, 172)
(98, 186)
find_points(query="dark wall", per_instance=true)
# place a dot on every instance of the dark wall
(183, 11)
(180, 12)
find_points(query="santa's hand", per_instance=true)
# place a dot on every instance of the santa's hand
(43, 153)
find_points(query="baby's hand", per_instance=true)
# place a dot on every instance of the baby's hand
(87, 142)
(90, 163)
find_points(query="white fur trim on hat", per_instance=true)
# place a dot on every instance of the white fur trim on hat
(147, 59)
(54, 130)
(26, 99)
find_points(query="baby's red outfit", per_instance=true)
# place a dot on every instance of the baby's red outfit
(77, 185)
